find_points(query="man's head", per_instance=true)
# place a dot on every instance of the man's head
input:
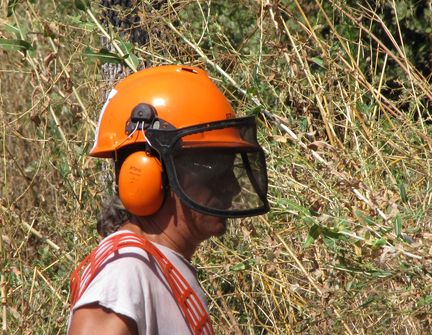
(170, 129)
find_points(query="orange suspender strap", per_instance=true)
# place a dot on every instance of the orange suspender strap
(189, 303)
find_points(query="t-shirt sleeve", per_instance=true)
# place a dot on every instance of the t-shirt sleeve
(121, 285)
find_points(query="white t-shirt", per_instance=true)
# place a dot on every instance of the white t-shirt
(132, 284)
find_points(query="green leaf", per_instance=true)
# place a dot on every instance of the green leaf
(238, 267)
(31, 168)
(378, 243)
(243, 265)
(103, 55)
(64, 169)
(82, 4)
(298, 208)
(75, 19)
(403, 193)
(254, 110)
(11, 7)
(368, 301)
(364, 108)
(134, 60)
(426, 300)
(308, 220)
(367, 236)
(127, 49)
(379, 273)
(314, 233)
(330, 242)
(364, 218)
(13, 29)
(318, 61)
(402, 9)
(398, 225)
(80, 22)
(15, 45)
(332, 233)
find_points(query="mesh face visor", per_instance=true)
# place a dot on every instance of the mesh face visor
(216, 168)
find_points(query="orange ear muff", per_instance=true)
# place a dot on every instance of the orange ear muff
(140, 184)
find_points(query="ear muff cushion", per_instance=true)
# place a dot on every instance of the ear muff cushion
(140, 184)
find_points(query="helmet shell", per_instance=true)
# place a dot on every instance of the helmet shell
(182, 95)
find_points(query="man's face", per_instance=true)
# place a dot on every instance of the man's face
(211, 183)
(206, 226)
(208, 179)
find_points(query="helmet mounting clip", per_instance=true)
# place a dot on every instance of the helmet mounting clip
(142, 117)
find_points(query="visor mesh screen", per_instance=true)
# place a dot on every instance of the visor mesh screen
(221, 178)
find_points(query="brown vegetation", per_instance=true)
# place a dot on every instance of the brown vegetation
(345, 119)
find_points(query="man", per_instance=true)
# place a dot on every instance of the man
(184, 164)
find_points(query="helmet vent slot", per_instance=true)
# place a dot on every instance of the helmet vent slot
(189, 70)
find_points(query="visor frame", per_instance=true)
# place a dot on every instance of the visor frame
(165, 140)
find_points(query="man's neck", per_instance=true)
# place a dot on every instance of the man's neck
(176, 241)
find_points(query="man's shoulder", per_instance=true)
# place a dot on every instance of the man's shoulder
(123, 249)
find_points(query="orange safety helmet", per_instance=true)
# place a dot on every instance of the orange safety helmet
(147, 106)
(182, 95)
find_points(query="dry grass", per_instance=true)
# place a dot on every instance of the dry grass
(347, 246)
